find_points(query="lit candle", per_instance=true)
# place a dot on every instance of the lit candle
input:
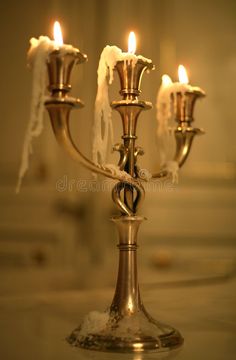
(58, 39)
(132, 43)
(38, 57)
(110, 56)
(183, 84)
(169, 96)
(164, 114)
(184, 97)
(164, 100)
(183, 77)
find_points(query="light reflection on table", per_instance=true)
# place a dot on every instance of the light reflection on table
(34, 327)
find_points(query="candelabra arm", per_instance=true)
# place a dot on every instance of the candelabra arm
(59, 112)
(184, 138)
(184, 132)
(123, 155)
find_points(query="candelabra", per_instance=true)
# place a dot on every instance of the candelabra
(128, 326)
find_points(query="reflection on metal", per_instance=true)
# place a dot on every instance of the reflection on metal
(130, 328)
(184, 132)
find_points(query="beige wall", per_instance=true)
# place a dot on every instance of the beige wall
(201, 35)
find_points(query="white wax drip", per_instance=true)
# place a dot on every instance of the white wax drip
(94, 322)
(102, 119)
(164, 114)
(37, 60)
(37, 57)
(102, 104)
(173, 168)
(166, 108)
(115, 170)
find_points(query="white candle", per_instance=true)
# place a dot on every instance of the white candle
(166, 109)
(108, 59)
(169, 89)
(164, 114)
(37, 60)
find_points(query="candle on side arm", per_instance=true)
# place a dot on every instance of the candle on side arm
(164, 114)
(167, 109)
(37, 58)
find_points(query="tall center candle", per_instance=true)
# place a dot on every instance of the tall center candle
(110, 57)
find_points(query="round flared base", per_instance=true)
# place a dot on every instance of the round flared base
(135, 333)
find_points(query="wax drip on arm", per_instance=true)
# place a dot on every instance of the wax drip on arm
(37, 56)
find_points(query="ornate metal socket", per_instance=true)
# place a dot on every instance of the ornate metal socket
(130, 77)
(60, 65)
(185, 103)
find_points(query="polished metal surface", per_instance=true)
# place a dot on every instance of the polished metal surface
(185, 133)
(129, 328)
(129, 108)
(59, 106)
(130, 77)
(185, 103)
(127, 299)
(60, 67)
(33, 326)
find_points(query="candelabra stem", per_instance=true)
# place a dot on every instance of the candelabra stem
(129, 144)
(127, 297)
(130, 111)
(127, 326)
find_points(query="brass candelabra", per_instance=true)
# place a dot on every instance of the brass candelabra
(129, 327)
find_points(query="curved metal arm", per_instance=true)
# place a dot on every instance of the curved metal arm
(184, 139)
(59, 111)
(123, 155)
(184, 133)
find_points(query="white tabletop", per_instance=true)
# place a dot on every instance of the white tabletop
(34, 327)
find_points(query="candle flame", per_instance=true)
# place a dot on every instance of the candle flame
(132, 43)
(183, 76)
(57, 34)
(166, 80)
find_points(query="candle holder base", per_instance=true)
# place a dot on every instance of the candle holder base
(130, 334)
(126, 326)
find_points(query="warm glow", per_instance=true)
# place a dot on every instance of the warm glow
(132, 43)
(183, 77)
(138, 346)
(57, 34)
(166, 80)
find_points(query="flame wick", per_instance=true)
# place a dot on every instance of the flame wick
(57, 34)
(166, 80)
(183, 76)
(132, 43)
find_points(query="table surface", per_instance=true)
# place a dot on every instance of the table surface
(34, 326)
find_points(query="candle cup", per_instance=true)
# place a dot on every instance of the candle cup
(60, 64)
(184, 105)
(130, 75)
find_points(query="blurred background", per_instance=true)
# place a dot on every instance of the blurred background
(58, 256)
(56, 233)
